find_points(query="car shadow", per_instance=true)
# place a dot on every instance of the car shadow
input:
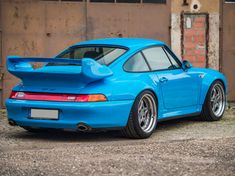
(96, 136)
(177, 123)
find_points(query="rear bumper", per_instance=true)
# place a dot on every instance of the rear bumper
(110, 114)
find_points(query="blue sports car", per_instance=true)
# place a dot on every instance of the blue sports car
(122, 83)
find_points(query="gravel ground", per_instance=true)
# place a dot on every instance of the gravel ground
(178, 147)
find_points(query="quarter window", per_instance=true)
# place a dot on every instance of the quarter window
(136, 64)
(157, 58)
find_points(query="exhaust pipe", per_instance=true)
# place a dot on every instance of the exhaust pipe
(83, 127)
(12, 122)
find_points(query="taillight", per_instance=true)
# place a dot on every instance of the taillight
(57, 97)
(17, 95)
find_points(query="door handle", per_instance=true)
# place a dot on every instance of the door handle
(163, 79)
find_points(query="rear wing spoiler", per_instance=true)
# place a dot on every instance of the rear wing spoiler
(90, 69)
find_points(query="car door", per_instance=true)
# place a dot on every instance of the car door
(179, 87)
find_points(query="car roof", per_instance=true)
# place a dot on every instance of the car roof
(125, 42)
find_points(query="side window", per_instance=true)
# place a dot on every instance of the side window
(173, 61)
(157, 58)
(136, 64)
(111, 54)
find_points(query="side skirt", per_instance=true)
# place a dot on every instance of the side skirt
(178, 117)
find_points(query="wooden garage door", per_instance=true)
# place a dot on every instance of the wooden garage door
(43, 28)
(228, 50)
(150, 19)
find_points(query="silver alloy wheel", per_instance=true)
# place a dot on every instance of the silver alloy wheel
(217, 100)
(147, 115)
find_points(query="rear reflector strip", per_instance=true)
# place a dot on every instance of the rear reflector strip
(57, 97)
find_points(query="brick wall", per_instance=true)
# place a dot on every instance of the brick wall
(194, 39)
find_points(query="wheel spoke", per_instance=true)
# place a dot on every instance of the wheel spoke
(140, 106)
(147, 113)
(217, 100)
(213, 95)
(218, 97)
(139, 117)
(213, 107)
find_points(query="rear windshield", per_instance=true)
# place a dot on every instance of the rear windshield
(102, 54)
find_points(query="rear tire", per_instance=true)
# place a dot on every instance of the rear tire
(143, 117)
(214, 105)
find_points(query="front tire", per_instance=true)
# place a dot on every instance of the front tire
(214, 105)
(143, 117)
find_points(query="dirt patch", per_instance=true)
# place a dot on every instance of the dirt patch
(178, 147)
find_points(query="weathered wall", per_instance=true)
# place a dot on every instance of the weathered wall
(228, 47)
(129, 20)
(1, 69)
(33, 28)
(43, 28)
(210, 7)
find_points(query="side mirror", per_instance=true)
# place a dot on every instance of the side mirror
(186, 65)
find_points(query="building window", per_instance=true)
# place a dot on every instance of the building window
(123, 1)
(155, 1)
(72, 0)
(102, 0)
(128, 1)
(65, 0)
(229, 1)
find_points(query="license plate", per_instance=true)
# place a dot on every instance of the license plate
(44, 114)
